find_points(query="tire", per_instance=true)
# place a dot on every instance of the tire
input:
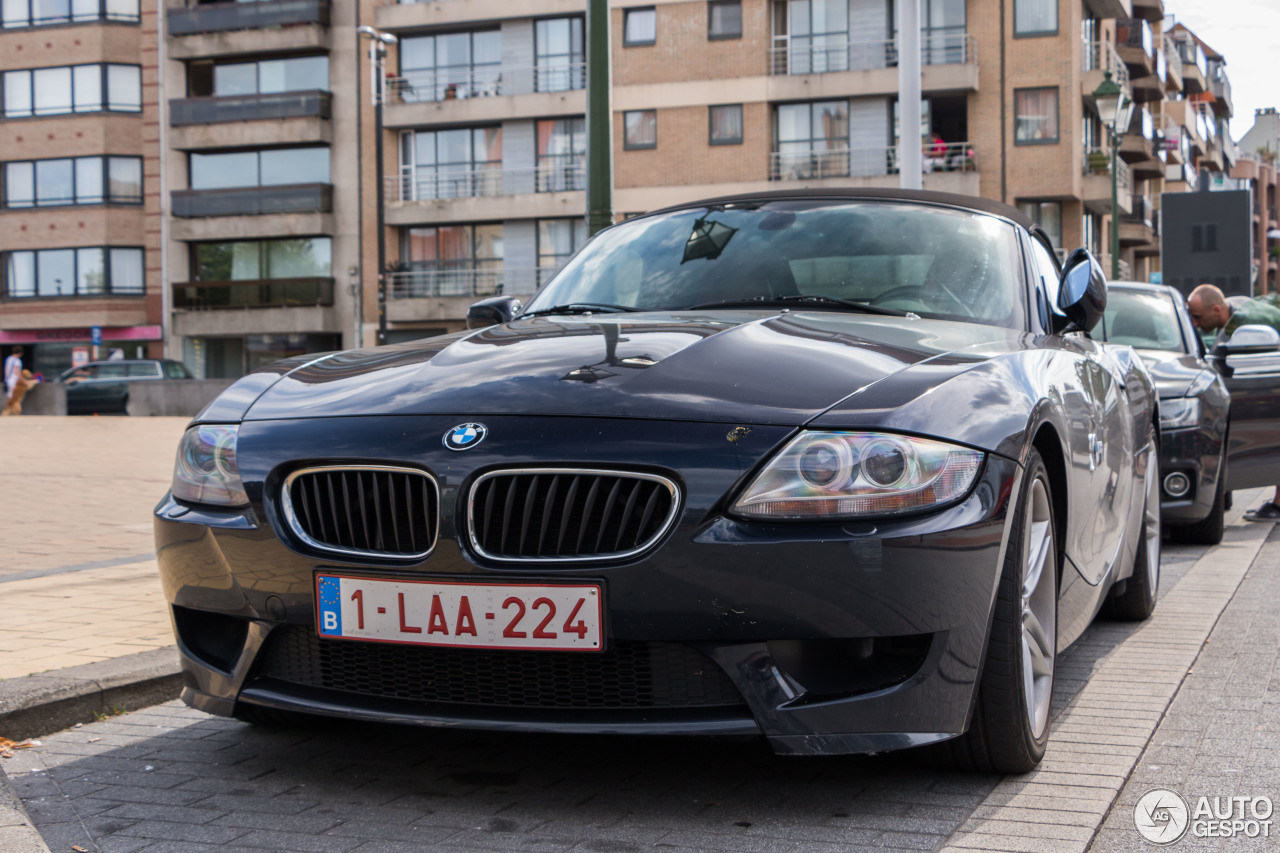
(1138, 600)
(1207, 531)
(1010, 727)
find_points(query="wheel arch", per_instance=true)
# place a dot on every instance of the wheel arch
(1048, 443)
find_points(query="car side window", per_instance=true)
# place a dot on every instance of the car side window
(144, 370)
(1046, 269)
(112, 371)
(81, 375)
(176, 370)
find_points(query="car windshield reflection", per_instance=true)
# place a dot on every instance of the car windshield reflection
(900, 258)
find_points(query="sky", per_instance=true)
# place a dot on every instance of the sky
(1247, 34)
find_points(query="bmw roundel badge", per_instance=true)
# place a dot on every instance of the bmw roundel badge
(465, 436)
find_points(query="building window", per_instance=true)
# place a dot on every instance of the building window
(811, 140)
(1035, 116)
(1204, 238)
(264, 77)
(1035, 17)
(257, 260)
(92, 271)
(452, 65)
(268, 168)
(640, 129)
(725, 124)
(559, 61)
(639, 26)
(724, 19)
(39, 13)
(450, 260)
(562, 155)
(558, 239)
(1047, 215)
(459, 163)
(72, 89)
(817, 36)
(82, 180)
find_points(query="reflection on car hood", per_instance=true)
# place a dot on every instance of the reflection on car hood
(733, 366)
(1172, 372)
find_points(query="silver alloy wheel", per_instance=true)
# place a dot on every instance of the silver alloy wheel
(1151, 520)
(1039, 608)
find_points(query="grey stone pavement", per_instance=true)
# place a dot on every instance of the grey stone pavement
(1136, 707)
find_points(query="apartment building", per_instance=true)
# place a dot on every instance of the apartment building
(261, 141)
(79, 178)
(1257, 170)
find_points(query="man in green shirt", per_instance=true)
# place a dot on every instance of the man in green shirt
(1211, 312)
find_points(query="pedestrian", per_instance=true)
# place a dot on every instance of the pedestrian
(12, 371)
(1211, 312)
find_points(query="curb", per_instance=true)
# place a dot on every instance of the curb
(37, 705)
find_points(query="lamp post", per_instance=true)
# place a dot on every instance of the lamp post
(1114, 109)
(378, 42)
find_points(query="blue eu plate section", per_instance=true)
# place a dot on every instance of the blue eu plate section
(329, 606)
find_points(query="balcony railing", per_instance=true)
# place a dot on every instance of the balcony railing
(221, 17)
(1097, 161)
(1172, 57)
(1102, 56)
(819, 55)
(1140, 210)
(866, 162)
(483, 81)
(1191, 53)
(465, 281)
(215, 110)
(260, 293)
(432, 184)
(1135, 32)
(248, 201)
(1141, 124)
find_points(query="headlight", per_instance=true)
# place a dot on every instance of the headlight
(206, 471)
(1179, 412)
(824, 475)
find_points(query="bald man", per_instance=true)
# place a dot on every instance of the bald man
(1211, 312)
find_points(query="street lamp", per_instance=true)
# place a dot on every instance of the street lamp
(1114, 109)
(378, 42)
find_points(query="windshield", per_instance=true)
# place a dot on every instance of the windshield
(1142, 319)
(904, 257)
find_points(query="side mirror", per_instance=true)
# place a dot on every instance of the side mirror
(1251, 339)
(1082, 291)
(492, 311)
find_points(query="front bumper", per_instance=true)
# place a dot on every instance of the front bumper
(1197, 453)
(824, 638)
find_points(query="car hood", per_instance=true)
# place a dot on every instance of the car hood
(1172, 372)
(739, 366)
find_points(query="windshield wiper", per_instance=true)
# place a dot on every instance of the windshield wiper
(582, 308)
(765, 301)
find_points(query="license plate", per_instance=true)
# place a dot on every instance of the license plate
(464, 615)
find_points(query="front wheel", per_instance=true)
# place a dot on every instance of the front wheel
(1010, 726)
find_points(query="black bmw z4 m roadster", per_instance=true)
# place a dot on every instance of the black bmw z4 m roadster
(841, 469)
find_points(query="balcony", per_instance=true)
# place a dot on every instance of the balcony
(261, 293)
(1098, 57)
(1136, 47)
(1173, 65)
(1180, 173)
(1149, 10)
(442, 184)
(865, 162)
(225, 17)
(1220, 86)
(1195, 66)
(217, 110)
(253, 201)
(485, 81)
(792, 55)
(1137, 228)
(1097, 182)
